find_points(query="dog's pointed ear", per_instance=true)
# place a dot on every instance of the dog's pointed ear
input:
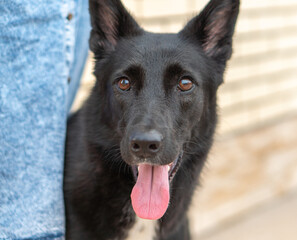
(214, 28)
(110, 22)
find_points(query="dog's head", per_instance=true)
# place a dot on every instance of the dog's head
(157, 92)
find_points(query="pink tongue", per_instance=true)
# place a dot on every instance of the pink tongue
(150, 195)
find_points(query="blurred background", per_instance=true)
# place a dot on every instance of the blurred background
(249, 187)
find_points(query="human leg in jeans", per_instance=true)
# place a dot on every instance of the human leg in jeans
(43, 47)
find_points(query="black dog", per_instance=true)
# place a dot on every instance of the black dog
(139, 143)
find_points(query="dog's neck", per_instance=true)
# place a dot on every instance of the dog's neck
(121, 182)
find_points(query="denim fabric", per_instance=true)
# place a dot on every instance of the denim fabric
(81, 46)
(37, 48)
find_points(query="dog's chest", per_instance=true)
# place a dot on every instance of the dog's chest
(143, 229)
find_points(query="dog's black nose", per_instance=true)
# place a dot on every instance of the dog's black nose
(145, 144)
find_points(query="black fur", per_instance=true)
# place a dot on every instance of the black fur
(98, 175)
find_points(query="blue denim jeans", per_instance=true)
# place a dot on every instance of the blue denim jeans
(43, 48)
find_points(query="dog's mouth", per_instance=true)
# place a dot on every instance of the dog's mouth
(172, 168)
(150, 195)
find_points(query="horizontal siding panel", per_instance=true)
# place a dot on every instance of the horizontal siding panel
(260, 99)
(156, 8)
(256, 4)
(283, 32)
(269, 16)
(164, 8)
(271, 52)
(251, 70)
(265, 45)
(266, 22)
(256, 117)
(255, 93)
(272, 78)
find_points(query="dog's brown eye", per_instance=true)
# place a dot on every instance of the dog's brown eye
(124, 84)
(185, 84)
